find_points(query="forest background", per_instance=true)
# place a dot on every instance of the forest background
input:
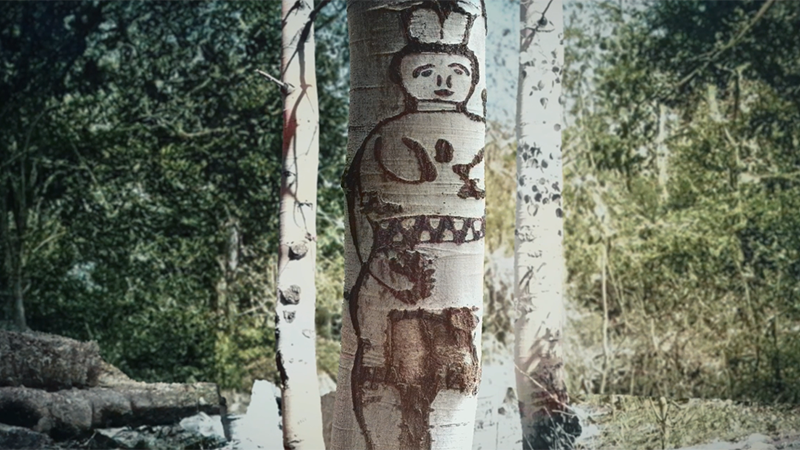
(139, 176)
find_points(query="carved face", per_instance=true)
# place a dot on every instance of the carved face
(437, 77)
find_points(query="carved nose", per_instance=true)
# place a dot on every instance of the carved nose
(438, 80)
(450, 81)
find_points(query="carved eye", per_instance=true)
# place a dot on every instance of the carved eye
(458, 69)
(425, 70)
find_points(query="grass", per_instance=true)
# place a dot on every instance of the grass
(630, 422)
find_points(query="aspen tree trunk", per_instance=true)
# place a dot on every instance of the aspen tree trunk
(295, 324)
(410, 363)
(539, 254)
(662, 152)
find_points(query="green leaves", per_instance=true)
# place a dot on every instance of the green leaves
(682, 161)
(149, 153)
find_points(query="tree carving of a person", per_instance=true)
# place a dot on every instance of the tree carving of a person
(416, 213)
(401, 167)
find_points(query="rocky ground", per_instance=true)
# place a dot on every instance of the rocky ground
(609, 422)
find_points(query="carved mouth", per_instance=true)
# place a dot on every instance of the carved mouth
(443, 92)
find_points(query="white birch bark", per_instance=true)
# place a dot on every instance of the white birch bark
(410, 362)
(295, 325)
(539, 254)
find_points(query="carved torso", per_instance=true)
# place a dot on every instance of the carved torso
(407, 167)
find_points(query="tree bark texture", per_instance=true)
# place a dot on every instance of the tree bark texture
(414, 247)
(539, 254)
(69, 413)
(40, 360)
(20, 215)
(295, 324)
(12, 211)
(6, 297)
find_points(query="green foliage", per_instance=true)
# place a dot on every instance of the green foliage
(147, 152)
(498, 314)
(702, 272)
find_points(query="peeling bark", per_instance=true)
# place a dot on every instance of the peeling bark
(410, 363)
(539, 259)
(295, 325)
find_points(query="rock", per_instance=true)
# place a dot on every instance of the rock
(758, 441)
(69, 413)
(757, 438)
(236, 401)
(165, 437)
(204, 425)
(259, 428)
(716, 445)
(18, 437)
(41, 360)
(326, 384)
(760, 446)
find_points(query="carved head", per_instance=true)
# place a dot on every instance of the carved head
(437, 67)
(443, 74)
(438, 77)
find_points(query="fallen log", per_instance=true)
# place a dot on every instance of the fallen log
(47, 361)
(70, 413)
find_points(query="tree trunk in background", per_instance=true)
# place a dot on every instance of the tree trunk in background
(662, 153)
(410, 362)
(295, 324)
(539, 254)
(6, 302)
(13, 211)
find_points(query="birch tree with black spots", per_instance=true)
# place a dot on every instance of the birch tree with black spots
(414, 248)
(539, 254)
(295, 306)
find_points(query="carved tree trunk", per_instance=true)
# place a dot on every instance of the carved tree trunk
(539, 254)
(295, 324)
(410, 362)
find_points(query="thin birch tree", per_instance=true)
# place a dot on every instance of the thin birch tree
(538, 250)
(295, 324)
(414, 248)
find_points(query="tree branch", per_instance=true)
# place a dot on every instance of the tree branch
(542, 22)
(735, 40)
(285, 88)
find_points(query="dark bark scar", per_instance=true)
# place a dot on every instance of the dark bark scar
(470, 188)
(426, 352)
